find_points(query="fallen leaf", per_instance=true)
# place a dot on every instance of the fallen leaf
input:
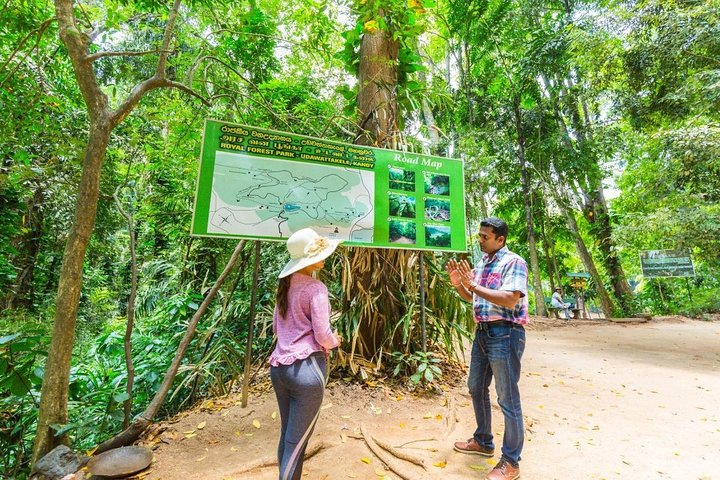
(402, 425)
(345, 416)
(380, 472)
(190, 435)
(427, 415)
(479, 468)
(438, 417)
(442, 464)
(201, 459)
(256, 423)
(274, 415)
(365, 460)
(325, 407)
(201, 425)
(233, 449)
(237, 432)
(189, 432)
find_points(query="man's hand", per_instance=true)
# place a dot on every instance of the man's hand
(460, 273)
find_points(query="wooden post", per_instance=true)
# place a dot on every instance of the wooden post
(687, 285)
(251, 326)
(422, 301)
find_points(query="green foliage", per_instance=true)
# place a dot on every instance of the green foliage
(420, 367)
(20, 382)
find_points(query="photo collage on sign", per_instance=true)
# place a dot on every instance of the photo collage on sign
(437, 209)
(403, 207)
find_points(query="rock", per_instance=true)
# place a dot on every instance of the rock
(59, 463)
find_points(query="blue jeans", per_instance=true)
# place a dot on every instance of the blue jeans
(496, 352)
(299, 390)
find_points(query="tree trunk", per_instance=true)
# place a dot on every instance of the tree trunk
(534, 264)
(595, 210)
(129, 367)
(605, 303)
(377, 91)
(546, 250)
(373, 292)
(54, 392)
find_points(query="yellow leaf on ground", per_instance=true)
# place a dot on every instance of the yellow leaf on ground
(402, 425)
(256, 423)
(442, 464)
(491, 461)
(345, 416)
(190, 435)
(325, 407)
(201, 459)
(201, 425)
(438, 417)
(398, 398)
(237, 432)
(427, 415)
(189, 432)
(380, 472)
(365, 460)
(233, 449)
(479, 468)
(274, 415)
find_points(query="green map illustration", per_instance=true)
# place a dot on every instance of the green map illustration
(274, 198)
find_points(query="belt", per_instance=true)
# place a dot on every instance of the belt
(497, 323)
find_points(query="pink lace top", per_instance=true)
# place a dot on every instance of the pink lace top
(306, 326)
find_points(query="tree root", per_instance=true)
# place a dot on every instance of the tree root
(385, 458)
(451, 419)
(400, 454)
(311, 451)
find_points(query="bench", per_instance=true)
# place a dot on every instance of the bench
(556, 311)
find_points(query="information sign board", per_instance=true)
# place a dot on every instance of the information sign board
(666, 263)
(262, 184)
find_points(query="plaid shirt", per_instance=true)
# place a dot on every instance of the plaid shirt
(506, 271)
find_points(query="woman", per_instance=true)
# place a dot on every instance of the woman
(301, 322)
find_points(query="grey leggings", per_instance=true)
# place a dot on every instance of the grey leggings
(299, 390)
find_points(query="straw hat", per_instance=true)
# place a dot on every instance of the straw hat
(306, 247)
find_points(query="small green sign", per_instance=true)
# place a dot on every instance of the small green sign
(666, 263)
(262, 184)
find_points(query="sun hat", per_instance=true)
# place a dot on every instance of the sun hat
(307, 247)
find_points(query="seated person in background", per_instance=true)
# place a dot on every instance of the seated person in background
(557, 302)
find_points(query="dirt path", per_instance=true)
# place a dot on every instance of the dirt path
(601, 401)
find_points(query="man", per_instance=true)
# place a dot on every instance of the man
(498, 290)
(557, 302)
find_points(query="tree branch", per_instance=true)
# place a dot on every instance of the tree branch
(148, 85)
(96, 56)
(172, 18)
